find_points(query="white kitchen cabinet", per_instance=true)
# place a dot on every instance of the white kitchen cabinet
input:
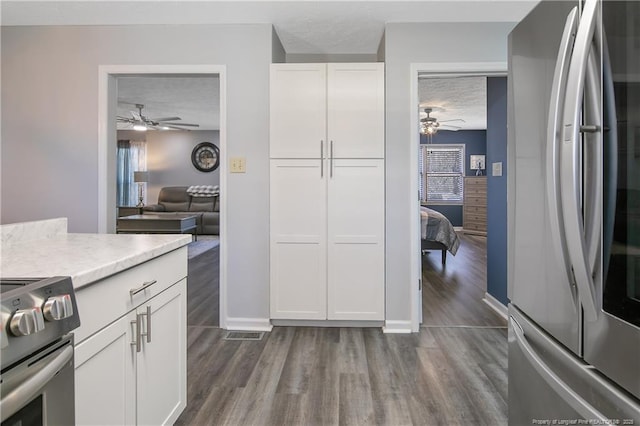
(355, 110)
(317, 110)
(298, 105)
(355, 234)
(298, 240)
(161, 364)
(115, 382)
(327, 211)
(105, 382)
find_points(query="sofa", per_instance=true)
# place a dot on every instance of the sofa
(176, 199)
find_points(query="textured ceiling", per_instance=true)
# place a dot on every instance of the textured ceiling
(456, 98)
(194, 99)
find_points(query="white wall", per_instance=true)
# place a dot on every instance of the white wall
(406, 44)
(49, 164)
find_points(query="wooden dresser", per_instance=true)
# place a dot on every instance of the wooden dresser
(474, 218)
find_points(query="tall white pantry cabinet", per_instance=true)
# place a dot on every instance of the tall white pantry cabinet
(327, 191)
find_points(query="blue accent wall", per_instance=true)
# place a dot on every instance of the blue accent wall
(497, 188)
(475, 142)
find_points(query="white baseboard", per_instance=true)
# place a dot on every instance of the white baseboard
(326, 323)
(398, 327)
(496, 305)
(248, 324)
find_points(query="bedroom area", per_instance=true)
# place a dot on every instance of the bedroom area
(457, 130)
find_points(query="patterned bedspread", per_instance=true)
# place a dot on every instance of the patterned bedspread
(434, 226)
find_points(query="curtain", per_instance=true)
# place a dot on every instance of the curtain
(131, 157)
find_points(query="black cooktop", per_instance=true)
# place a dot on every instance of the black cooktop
(8, 284)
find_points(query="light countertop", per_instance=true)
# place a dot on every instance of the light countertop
(85, 257)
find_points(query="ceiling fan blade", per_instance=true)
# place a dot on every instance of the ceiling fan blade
(165, 119)
(169, 126)
(136, 116)
(455, 119)
(180, 124)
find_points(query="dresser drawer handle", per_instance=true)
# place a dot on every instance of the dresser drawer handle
(143, 287)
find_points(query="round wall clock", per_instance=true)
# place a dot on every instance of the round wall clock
(205, 157)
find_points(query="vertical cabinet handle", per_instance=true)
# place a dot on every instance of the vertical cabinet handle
(321, 158)
(137, 341)
(148, 324)
(331, 159)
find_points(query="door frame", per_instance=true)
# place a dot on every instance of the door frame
(107, 102)
(443, 70)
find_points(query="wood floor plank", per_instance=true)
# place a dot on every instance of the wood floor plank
(356, 403)
(254, 403)
(299, 363)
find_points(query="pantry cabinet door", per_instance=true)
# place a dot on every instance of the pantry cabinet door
(355, 110)
(356, 240)
(298, 107)
(298, 239)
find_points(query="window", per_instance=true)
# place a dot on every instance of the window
(441, 173)
(131, 157)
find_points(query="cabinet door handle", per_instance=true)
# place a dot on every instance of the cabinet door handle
(143, 287)
(321, 158)
(148, 314)
(331, 160)
(138, 336)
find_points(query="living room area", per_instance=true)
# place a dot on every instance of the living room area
(167, 157)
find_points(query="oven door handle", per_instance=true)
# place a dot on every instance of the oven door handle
(16, 399)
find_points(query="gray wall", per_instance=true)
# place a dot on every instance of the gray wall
(169, 160)
(49, 164)
(404, 45)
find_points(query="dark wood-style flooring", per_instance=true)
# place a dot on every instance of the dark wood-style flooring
(452, 294)
(452, 374)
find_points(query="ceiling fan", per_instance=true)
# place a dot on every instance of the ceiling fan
(140, 122)
(430, 125)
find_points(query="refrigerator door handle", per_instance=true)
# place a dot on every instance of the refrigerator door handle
(593, 180)
(554, 133)
(574, 400)
(570, 156)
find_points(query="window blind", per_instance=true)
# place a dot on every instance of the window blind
(441, 173)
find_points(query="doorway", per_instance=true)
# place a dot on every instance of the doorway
(437, 71)
(108, 112)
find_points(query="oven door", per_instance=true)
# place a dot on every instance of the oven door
(612, 342)
(40, 389)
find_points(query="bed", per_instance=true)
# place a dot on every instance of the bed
(437, 233)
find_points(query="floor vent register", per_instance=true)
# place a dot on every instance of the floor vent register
(244, 335)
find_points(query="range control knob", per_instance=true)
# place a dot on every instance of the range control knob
(57, 308)
(26, 321)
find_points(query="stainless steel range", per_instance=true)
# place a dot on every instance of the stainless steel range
(36, 351)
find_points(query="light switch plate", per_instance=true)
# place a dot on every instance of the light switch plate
(238, 165)
(496, 169)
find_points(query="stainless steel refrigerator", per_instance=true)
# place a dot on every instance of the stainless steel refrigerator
(574, 214)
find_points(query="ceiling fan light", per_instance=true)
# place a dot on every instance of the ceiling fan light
(140, 127)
